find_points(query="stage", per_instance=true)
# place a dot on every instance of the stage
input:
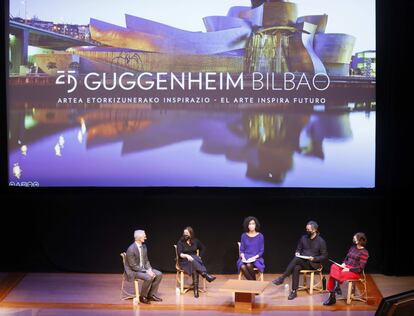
(99, 294)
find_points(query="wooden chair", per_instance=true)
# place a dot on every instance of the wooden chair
(180, 273)
(363, 295)
(124, 294)
(259, 274)
(312, 285)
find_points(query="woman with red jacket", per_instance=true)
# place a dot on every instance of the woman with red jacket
(351, 268)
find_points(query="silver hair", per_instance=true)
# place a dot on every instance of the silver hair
(314, 225)
(138, 233)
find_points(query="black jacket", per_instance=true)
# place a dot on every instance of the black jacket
(315, 248)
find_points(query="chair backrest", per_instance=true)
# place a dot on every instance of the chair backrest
(177, 265)
(123, 256)
(176, 252)
(363, 276)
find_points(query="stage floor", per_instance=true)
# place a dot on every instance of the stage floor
(99, 294)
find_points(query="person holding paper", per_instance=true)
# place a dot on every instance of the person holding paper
(251, 249)
(354, 263)
(310, 252)
(190, 251)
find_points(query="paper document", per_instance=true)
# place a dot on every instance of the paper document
(338, 264)
(250, 260)
(303, 257)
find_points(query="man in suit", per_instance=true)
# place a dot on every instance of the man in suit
(138, 267)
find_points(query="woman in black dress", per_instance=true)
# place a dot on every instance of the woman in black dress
(189, 261)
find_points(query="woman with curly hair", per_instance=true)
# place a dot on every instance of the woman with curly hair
(251, 249)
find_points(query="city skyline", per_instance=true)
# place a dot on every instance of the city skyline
(339, 13)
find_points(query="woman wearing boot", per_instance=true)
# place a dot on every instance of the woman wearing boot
(351, 268)
(251, 249)
(188, 247)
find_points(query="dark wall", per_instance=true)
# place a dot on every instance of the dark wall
(86, 233)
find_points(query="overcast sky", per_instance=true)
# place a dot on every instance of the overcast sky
(355, 17)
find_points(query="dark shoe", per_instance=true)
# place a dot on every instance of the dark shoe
(331, 300)
(154, 298)
(279, 280)
(144, 300)
(293, 294)
(208, 277)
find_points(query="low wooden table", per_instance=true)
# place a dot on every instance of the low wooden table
(244, 292)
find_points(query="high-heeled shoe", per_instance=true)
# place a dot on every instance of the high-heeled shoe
(208, 277)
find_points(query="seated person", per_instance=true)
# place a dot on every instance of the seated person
(351, 268)
(311, 245)
(188, 259)
(251, 249)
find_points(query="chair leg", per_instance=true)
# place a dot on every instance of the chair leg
(261, 276)
(240, 275)
(365, 292)
(182, 282)
(136, 291)
(349, 294)
(320, 284)
(122, 289)
(312, 281)
(177, 279)
(136, 288)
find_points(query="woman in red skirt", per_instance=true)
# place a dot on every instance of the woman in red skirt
(351, 268)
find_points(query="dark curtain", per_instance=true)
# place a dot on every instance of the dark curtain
(86, 232)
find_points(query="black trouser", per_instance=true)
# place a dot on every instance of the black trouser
(294, 268)
(198, 265)
(248, 271)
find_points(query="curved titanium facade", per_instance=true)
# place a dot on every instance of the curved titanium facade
(279, 14)
(167, 40)
(220, 23)
(320, 20)
(335, 51)
(302, 57)
(309, 49)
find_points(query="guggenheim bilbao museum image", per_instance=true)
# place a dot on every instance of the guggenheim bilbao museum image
(266, 37)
